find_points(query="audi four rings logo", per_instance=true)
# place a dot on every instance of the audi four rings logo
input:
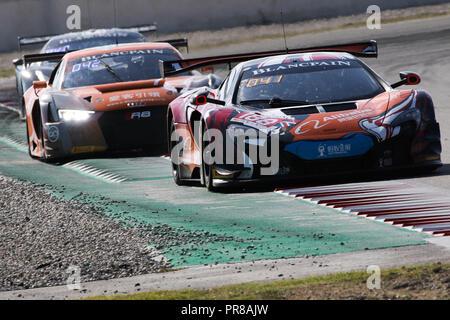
(53, 134)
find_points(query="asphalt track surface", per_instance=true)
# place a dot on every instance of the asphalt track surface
(245, 233)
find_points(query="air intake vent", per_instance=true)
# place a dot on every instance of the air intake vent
(302, 110)
(339, 107)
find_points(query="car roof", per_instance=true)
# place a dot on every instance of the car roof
(118, 47)
(94, 33)
(297, 57)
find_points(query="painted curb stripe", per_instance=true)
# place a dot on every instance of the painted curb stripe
(18, 145)
(398, 204)
(96, 173)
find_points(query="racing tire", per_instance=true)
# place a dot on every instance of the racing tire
(28, 141)
(206, 170)
(44, 157)
(23, 114)
(175, 168)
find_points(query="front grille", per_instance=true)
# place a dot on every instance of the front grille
(123, 132)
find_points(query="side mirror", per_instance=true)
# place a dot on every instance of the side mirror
(39, 84)
(408, 78)
(17, 62)
(200, 98)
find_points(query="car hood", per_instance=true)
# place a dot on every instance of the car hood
(366, 116)
(125, 95)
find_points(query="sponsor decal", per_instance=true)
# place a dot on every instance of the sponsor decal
(58, 49)
(308, 126)
(305, 64)
(261, 122)
(351, 145)
(126, 53)
(137, 95)
(53, 134)
(315, 124)
(348, 116)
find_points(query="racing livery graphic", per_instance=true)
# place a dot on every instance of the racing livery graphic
(328, 110)
(109, 98)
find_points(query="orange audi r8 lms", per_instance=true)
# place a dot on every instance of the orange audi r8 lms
(68, 42)
(101, 99)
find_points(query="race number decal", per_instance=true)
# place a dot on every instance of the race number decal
(253, 82)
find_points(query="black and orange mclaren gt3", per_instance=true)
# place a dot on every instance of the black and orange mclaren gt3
(104, 99)
(298, 113)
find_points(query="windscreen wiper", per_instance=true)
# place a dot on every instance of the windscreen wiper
(110, 70)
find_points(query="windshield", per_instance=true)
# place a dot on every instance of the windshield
(131, 65)
(63, 45)
(307, 82)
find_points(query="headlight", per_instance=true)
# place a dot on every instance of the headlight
(74, 115)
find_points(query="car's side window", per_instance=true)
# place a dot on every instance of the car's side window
(223, 88)
(57, 78)
(230, 85)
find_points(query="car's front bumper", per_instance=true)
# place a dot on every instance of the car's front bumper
(122, 130)
(394, 154)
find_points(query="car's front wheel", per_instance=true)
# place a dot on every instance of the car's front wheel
(174, 139)
(207, 168)
(28, 141)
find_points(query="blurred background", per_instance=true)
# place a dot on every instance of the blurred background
(40, 17)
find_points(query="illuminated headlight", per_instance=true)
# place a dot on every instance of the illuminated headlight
(250, 135)
(74, 115)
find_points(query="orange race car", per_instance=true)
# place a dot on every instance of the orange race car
(109, 98)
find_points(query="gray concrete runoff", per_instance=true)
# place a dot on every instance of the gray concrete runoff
(208, 276)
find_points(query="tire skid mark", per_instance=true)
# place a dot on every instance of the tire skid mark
(395, 203)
